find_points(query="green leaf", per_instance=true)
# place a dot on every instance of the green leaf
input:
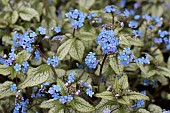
(60, 72)
(164, 71)
(124, 100)
(162, 79)
(49, 103)
(64, 48)
(22, 57)
(82, 106)
(154, 108)
(14, 17)
(27, 14)
(63, 87)
(86, 36)
(142, 68)
(123, 81)
(158, 55)
(124, 40)
(77, 50)
(86, 3)
(57, 109)
(105, 67)
(142, 111)
(157, 10)
(137, 96)
(116, 85)
(4, 70)
(116, 66)
(107, 95)
(5, 89)
(36, 76)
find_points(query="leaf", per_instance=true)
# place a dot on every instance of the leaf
(63, 87)
(162, 79)
(154, 108)
(86, 3)
(116, 66)
(164, 71)
(64, 48)
(49, 103)
(22, 57)
(107, 95)
(157, 10)
(124, 100)
(137, 96)
(142, 111)
(57, 108)
(124, 40)
(116, 85)
(82, 106)
(5, 89)
(28, 13)
(142, 68)
(168, 63)
(158, 55)
(123, 81)
(86, 36)
(105, 67)
(77, 50)
(36, 76)
(60, 72)
(14, 17)
(4, 70)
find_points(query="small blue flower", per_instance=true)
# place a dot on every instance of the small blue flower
(143, 60)
(37, 55)
(146, 82)
(69, 98)
(133, 24)
(25, 64)
(71, 76)
(57, 29)
(63, 99)
(42, 30)
(137, 17)
(91, 60)
(110, 9)
(13, 87)
(17, 67)
(91, 15)
(89, 92)
(158, 40)
(106, 110)
(57, 88)
(49, 61)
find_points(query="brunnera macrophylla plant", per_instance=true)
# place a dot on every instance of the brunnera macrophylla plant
(95, 66)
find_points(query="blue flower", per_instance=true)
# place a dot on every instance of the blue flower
(42, 30)
(146, 82)
(158, 40)
(49, 61)
(76, 17)
(108, 41)
(57, 29)
(143, 60)
(147, 17)
(63, 99)
(126, 56)
(91, 60)
(126, 13)
(54, 62)
(110, 9)
(71, 77)
(13, 87)
(91, 15)
(133, 24)
(69, 98)
(106, 110)
(137, 33)
(89, 92)
(37, 55)
(137, 17)
(21, 106)
(57, 88)
(17, 67)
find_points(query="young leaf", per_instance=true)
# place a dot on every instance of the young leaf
(86, 36)
(77, 50)
(124, 100)
(137, 96)
(107, 95)
(5, 89)
(82, 106)
(36, 76)
(64, 48)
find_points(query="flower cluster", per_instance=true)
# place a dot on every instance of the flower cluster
(21, 107)
(91, 15)
(108, 41)
(25, 66)
(24, 40)
(54, 62)
(12, 57)
(126, 56)
(71, 77)
(140, 102)
(143, 60)
(76, 17)
(91, 60)
(54, 91)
